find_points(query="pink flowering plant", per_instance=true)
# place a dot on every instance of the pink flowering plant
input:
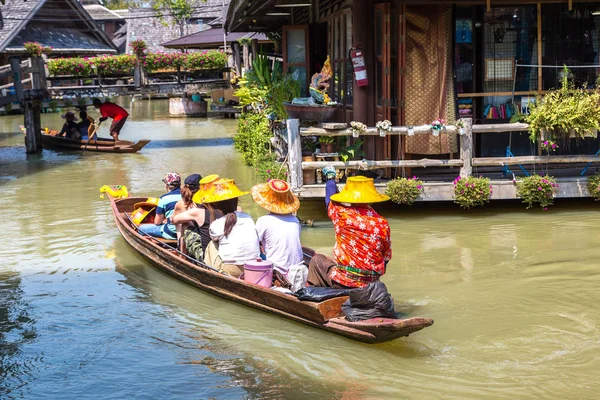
(34, 49)
(537, 189)
(472, 192)
(549, 146)
(139, 47)
(593, 186)
(404, 190)
(438, 124)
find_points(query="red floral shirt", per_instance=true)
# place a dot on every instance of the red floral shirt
(362, 245)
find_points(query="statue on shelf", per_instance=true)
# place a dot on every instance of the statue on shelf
(319, 84)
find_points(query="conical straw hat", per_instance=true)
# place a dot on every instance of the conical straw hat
(275, 196)
(206, 184)
(359, 190)
(223, 189)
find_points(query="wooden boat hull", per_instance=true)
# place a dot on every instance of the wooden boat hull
(324, 315)
(106, 146)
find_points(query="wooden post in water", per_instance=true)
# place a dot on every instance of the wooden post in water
(466, 148)
(32, 145)
(294, 153)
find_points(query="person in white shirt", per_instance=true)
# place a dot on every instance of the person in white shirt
(279, 231)
(234, 239)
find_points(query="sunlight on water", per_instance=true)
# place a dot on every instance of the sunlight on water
(512, 292)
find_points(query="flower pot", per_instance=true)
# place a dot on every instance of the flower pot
(355, 134)
(382, 132)
(328, 147)
(462, 131)
(436, 132)
(308, 175)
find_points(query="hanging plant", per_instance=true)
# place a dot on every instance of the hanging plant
(471, 192)
(564, 113)
(537, 189)
(357, 128)
(460, 125)
(385, 127)
(436, 126)
(593, 186)
(139, 47)
(404, 190)
(34, 49)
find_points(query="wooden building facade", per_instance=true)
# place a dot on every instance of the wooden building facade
(479, 59)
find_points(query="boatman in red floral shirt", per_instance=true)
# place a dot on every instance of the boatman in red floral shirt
(363, 247)
(111, 110)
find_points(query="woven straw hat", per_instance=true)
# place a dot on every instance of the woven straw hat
(150, 202)
(275, 196)
(220, 190)
(359, 190)
(206, 184)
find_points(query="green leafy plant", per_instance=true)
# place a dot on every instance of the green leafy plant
(139, 47)
(471, 192)
(253, 137)
(352, 152)
(564, 112)
(53, 105)
(267, 168)
(404, 190)
(593, 186)
(536, 189)
(34, 49)
(326, 139)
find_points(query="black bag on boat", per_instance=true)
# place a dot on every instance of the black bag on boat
(369, 302)
(317, 293)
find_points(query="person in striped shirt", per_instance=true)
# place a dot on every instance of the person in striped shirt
(163, 227)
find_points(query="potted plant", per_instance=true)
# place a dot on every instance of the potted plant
(436, 126)
(537, 189)
(357, 128)
(404, 190)
(471, 191)
(326, 144)
(384, 127)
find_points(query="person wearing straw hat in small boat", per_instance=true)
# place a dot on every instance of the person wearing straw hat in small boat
(279, 231)
(196, 219)
(163, 227)
(363, 246)
(234, 239)
(70, 129)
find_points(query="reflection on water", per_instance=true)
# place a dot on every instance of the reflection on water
(512, 292)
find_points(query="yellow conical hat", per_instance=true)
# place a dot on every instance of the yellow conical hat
(206, 184)
(223, 189)
(275, 196)
(359, 190)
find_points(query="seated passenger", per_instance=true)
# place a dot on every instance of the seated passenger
(86, 125)
(279, 231)
(234, 240)
(190, 187)
(69, 129)
(163, 227)
(362, 237)
(195, 220)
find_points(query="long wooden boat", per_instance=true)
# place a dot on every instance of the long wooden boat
(51, 141)
(325, 315)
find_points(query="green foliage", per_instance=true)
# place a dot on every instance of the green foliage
(284, 90)
(268, 168)
(81, 101)
(123, 65)
(326, 139)
(35, 49)
(565, 111)
(404, 190)
(593, 186)
(179, 10)
(53, 105)
(121, 4)
(253, 137)
(537, 189)
(67, 103)
(471, 192)
(139, 47)
(245, 41)
(352, 152)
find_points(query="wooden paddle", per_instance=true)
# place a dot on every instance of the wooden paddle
(96, 126)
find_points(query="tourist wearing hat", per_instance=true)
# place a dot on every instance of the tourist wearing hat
(279, 231)
(163, 227)
(70, 129)
(195, 219)
(362, 239)
(234, 239)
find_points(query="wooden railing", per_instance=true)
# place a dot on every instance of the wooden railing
(466, 162)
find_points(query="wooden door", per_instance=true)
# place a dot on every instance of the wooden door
(383, 77)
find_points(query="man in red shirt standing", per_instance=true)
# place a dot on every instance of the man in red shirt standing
(117, 113)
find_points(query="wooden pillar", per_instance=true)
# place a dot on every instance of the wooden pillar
(539, 56)
(254, 48)
(294, 153)
(361, 27)
(32, 122)
(235, 49)
(466, 148)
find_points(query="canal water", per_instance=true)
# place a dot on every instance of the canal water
(514, 293)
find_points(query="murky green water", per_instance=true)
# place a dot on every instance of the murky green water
(514, 294)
